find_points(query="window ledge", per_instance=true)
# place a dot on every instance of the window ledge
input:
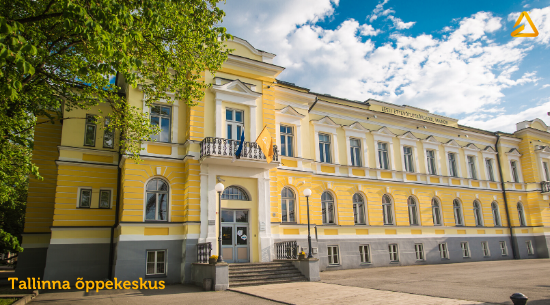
(288, 223)
(156, 276)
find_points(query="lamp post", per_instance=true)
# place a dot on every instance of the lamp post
(307, 193)
(219, 188)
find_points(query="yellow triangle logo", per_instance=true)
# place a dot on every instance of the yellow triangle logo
(517, 32)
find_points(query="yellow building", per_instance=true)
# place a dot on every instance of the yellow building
(391, 185)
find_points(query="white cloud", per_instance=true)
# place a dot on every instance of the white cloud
(399, 24)
(507, 122)
(463, 72)
(380, 11)
(545, 86)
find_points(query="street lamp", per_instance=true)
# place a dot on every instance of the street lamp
(307, 193)
(219, 188)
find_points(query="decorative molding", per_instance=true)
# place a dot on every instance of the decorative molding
(356, 126)
(408, 136)
(327, 121)
(291, 112)
(513, 152)
(385, 132)
(452, 143)
(431, 140)
(471, 147)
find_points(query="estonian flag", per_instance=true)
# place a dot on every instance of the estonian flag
(239, 151)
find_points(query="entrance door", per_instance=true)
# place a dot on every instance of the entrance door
(235, 236)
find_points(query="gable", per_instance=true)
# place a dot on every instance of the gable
(452, 143)
(489, 149)
(409, 136)
(471, 146)
(326, 121)
(290, 111)
(356, 127)
(384, 131)
(431, 139)
(513, 152)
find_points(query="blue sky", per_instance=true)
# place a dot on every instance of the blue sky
(455, 58)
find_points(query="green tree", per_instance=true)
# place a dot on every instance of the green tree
(63, 54)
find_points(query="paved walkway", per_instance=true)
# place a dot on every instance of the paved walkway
(322, 293)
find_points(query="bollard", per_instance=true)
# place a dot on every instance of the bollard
(519, 298)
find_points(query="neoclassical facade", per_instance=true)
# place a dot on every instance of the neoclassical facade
(391, 185)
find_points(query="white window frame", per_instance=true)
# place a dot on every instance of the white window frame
(490, 171)
(521, 215)
(432, 144)
(156, 262)
(514, 171)
(334, 207)
(288, 138)
(478, 214)
(235, 136)
(485, 249)
(385, 213)
(364, 208)
(438, 213)
(431, 164)
(453, 171)
(288, 210)
(163, 117)
(419, 252)
(106, 132)
(465, 247)
(414, 211)
(79, 197)
(545, 171)
(326, 154)
(453, 147)
(327, 126)
(472, 167)
(364, 253)
(94, 125)
(409, 140)
(359, 132)
(290, 117)
(461, 212)
(335, 254)
(168, 203)
(496, 214)
(408, 159)
(503, 248)
(530, 249)
(356, 151)
(514, 156)
(110, 190)
(490, 153)
(386, 136)
(393, 250)
(381, 153)
(443, 251)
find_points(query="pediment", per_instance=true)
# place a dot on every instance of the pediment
(544, 149)
(489, 149)
(431, 140)
(384, 131)
(408, 136)
(471, 146)
(289, 111)
(326, 121)
(356, 127)
(237, 87)
(452, 143)
(513, 152)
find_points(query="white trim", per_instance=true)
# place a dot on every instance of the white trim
(65, 241)
(169, 205)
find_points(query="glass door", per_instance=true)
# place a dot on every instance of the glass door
(235, 236)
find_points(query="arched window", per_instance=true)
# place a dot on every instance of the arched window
(327, 203)
(478, 214)
(521, 215)
(156, 205)
(458, 212)
(235, 193)
(359, 209)
(387, 208)
(413, 211)
(496, 214)
(436, 211)
(287, 205)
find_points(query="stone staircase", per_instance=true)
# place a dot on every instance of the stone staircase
(263, 274)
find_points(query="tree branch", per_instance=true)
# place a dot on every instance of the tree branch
(38, 18)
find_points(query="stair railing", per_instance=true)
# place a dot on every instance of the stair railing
(203, 252)
(286, 250)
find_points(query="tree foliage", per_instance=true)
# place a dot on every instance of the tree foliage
(63, 54)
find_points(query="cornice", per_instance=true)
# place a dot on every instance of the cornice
(254, 65)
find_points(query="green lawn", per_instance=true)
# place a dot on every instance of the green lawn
(7, 301)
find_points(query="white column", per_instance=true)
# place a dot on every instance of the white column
(253, 133)
(392, 155)
(365, 152)
(204, 204)
(299, 141)
(219, 118)
(376, 158)
(336, 154)
(348, 153)
(264, 210)
(316, 148)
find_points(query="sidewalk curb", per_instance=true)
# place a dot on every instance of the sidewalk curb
(25, 298)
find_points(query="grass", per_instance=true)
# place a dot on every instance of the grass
(7, 301)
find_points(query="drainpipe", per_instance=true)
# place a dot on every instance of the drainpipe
(117, 213)
(512, 238)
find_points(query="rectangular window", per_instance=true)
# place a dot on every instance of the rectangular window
(287, 141)
(324, 148)
(485, 248)
(355, 151)
(364, 251)
(108, 135)
(156, 262)
(419, 250)
(546, 172)
(333, 255)
(503, 248)
(90, 129)
(472, 167)
(234, 120)
(160, 116)
(530, 250)
(514, 166)
(408, 155)
(383, 155)
(104, 199)
(489, 165)
(452, 165)
(465, 249)
(430, 156)
(85, 198)
(394, 252)
(443, 251)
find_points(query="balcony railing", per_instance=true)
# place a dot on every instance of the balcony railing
(545, 186)
(286, 250)
(203, 252)
(211, 146)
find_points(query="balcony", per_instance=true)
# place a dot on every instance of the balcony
(220, 150)
(545, 186)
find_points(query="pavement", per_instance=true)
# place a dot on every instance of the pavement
(491, 281)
